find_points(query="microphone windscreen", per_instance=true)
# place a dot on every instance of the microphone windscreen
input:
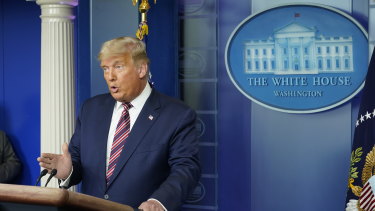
(53, 173)
(42, 174)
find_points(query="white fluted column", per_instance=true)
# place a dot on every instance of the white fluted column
(57, 75)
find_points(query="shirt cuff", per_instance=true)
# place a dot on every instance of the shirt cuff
(65, 183)
(152, 199)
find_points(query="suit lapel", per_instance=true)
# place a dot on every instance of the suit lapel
(144, 122)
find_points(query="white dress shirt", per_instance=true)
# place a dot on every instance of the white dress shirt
(137, 105)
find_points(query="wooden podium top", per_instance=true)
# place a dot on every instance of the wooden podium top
(56, 197)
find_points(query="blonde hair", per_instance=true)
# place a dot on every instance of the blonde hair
(122, 46)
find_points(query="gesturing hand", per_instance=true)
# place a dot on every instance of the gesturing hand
(61, 162)
(151, 205)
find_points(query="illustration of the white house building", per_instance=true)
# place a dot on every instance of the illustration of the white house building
(297, 49)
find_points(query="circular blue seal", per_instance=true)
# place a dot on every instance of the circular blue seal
(298, 58)
(197, 195)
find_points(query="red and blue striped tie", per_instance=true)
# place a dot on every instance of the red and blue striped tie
(122, 132)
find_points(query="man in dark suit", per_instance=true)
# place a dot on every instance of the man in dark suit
(10, 166)
(156, 166)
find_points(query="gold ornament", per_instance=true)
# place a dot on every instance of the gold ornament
(355, 189)
(367, 172)
(353, 174)
(136, 1)
(142, 30)
(369, 167)
(144, 6)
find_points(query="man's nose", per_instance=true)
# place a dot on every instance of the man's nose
(112, 74)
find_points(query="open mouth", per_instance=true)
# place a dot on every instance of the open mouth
(113, 89)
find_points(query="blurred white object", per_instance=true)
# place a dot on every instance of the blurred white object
(352, 205)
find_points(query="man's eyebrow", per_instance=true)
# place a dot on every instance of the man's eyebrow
(119, 62)
(114, 63)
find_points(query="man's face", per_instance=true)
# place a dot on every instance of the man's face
(125, 80)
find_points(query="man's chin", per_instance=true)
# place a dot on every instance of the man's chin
(116, 96)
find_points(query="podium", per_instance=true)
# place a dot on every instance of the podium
(22, 197)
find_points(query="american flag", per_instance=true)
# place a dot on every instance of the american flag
(363, 145)
(367, 198)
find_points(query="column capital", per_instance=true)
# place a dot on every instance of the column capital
(57, 10)
(72, 3)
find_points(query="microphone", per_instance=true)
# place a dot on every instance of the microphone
(42, 174)
(53, 173)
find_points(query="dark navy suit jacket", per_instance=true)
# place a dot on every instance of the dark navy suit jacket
(159, 160)
(10, 165)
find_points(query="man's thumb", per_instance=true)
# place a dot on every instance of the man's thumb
(65, 149)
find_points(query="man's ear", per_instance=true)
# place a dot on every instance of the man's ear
(142, 70)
